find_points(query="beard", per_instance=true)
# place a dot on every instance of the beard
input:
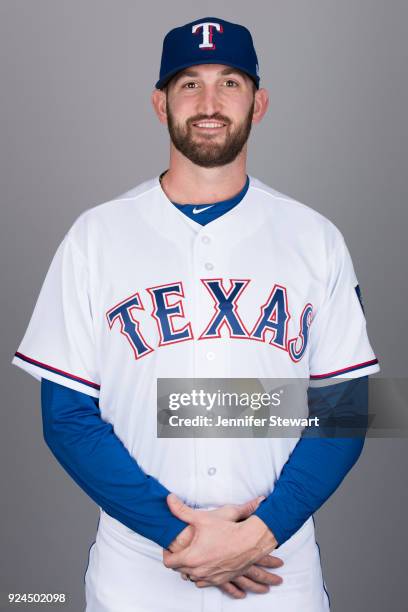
(204, 150)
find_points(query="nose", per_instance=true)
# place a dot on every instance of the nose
(209, 102)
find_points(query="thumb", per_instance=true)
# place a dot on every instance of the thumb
(245, 510)
(180, 509)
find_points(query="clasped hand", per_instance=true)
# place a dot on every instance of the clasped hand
(226, 547)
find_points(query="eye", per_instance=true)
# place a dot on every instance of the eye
(231, 83)
(187, 85)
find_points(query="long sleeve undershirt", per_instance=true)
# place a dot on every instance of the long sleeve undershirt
(88, 449)
(322, 457)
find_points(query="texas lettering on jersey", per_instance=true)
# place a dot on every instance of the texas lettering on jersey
(270, 324)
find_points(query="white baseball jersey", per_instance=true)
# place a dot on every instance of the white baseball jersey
(133, 294)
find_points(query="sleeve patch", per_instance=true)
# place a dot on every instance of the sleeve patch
(360, 299)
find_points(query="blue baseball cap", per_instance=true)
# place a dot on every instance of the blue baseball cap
(208, 41)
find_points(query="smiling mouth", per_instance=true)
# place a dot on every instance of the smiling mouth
(209, 125)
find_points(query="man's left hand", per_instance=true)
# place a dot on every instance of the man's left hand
(220, 549)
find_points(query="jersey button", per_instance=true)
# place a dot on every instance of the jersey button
(210, 356)
(211, 471)
(208, 266)
(206, 240)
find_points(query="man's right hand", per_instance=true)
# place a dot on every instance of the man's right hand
(254, 579)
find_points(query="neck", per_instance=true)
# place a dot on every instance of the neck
(187, 183)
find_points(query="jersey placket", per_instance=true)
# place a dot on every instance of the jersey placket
(209, 355)
(209, 362)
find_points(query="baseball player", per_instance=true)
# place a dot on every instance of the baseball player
(200, 272)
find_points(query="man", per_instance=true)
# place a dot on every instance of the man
(201, 272)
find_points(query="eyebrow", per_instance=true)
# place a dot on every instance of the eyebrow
(195, 73)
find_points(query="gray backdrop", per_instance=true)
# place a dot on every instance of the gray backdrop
(77, 129)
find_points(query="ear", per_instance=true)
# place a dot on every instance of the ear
(261, 105)
(160, 104)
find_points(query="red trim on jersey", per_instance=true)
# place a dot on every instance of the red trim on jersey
(365, 364)
(57, 371)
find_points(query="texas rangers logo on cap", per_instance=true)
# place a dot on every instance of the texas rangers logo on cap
(207, 28)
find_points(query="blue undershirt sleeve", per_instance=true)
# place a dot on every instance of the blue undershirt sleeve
(317, 465)
(91, 453)
(88, 449)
